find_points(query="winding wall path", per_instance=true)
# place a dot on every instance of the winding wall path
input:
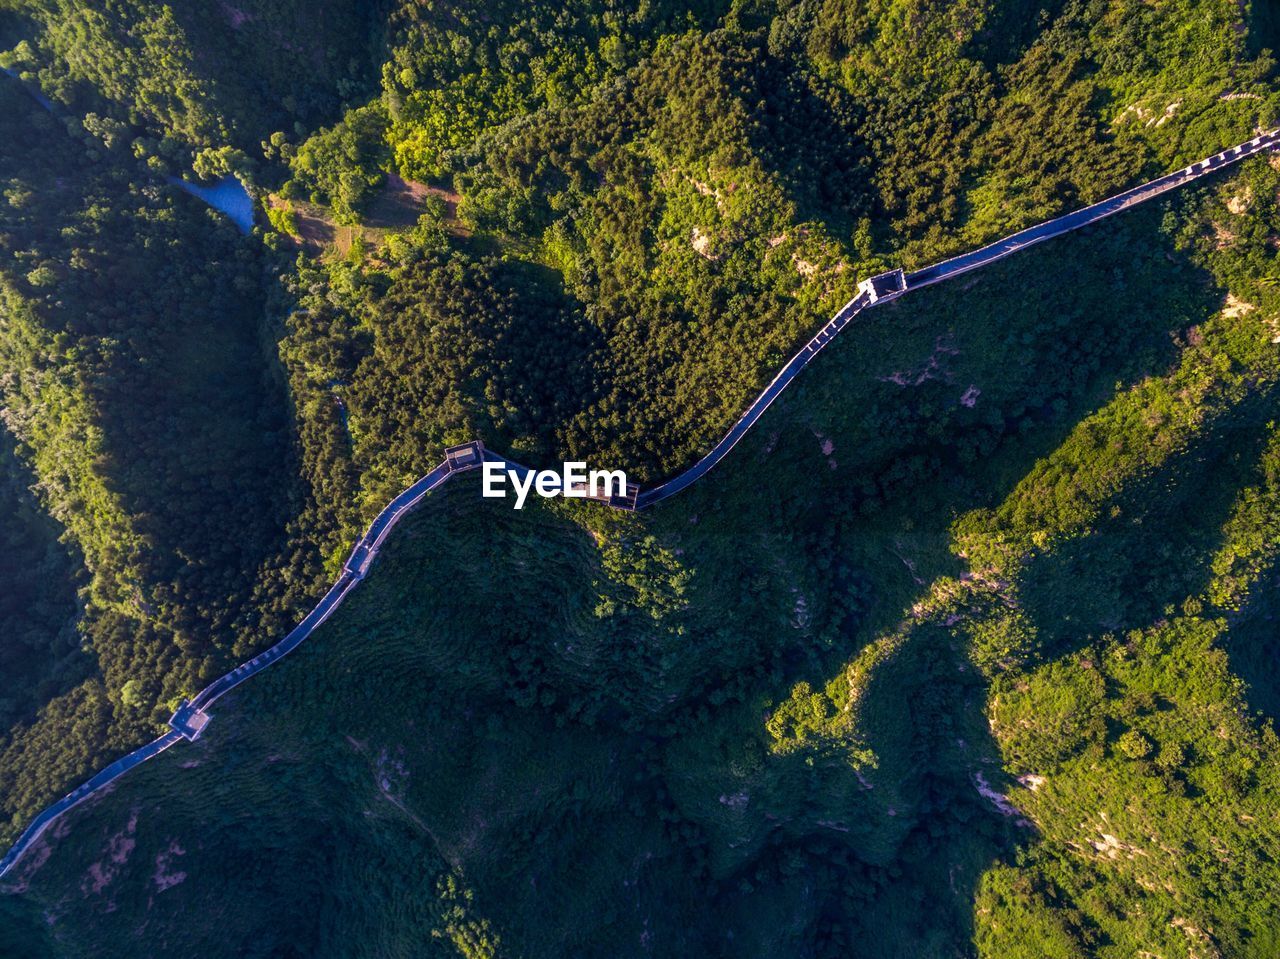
(190, 719)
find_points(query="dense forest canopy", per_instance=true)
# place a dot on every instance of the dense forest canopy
(708, 202)
(197, 75)
(966, 650)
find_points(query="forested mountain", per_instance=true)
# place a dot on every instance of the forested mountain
(966, 650)
(138, 391)
(705, 207)
(197, 75)
(41, 648)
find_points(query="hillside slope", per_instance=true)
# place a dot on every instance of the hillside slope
(801, 697)
(964, 650)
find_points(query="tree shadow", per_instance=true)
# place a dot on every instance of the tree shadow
(194, 435)
(912, 835)
(1251, 644)
(1153, 545)
(24, 932)
(14, 28)
(40, 655)
(1264, 28)
(811, 135)
(1012, 27)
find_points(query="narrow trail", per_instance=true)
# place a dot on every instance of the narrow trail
(192, 717)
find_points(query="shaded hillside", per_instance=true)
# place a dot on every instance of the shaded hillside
(708, 198)
(946, 659)
(855, 694)
(193, 75)
(138, 392)
(38, 611)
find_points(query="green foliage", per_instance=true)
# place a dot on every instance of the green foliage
(206, 74)
(945, 658)
(133, 384)
(650, 578)
(342, 165)
(213, 164)
(283, 218)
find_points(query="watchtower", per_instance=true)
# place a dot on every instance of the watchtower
(625, 500)
(465, 457)
(189, 720)
(884, 286)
